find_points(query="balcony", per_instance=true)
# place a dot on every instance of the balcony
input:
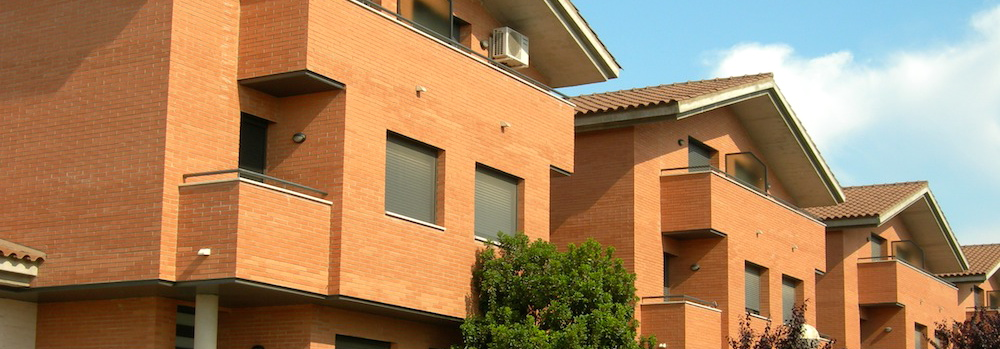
(681, 321)
(706, 202)
(234, 224)
(893, 281)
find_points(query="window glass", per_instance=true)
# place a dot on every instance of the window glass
(496, 203)
(433, 15)
(748, 169)
(184, 328)
(977, 296)
(253, 143)
(411, 178)
(666, 274)
(752, 285)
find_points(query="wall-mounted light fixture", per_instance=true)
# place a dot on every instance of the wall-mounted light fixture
(205, 252)
(421, 89)
(299, 137)
(504, 126)
(795, 248)
(888, 329)
(695, 267)
(681, 142)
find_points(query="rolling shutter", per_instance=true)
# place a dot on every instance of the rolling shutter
(788, 286)
(410, 179)
(752, 280)
(496, 203)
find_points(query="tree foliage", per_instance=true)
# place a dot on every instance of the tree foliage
(530, 295)
(982, 331)
(786, 336)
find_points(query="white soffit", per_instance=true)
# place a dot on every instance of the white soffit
(776, 131)
(930, 230)
(563, 47)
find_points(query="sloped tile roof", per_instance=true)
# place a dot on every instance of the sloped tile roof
(12, 250)
(982, 259)
(662, 94)
(869, 200)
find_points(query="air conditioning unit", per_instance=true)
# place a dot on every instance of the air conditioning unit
(509, 47)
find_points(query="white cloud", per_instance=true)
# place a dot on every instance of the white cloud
(929, 113)
(920, 96)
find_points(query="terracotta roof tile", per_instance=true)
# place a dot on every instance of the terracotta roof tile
(982, 259)
(869, 200)
(10, 249)
(662, 94)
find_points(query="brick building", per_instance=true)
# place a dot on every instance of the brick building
(884, 245)
(319, 174)
(698, 186)
(284, 174)
(979, 286)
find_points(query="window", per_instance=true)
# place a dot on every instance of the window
(919, 336)
(433, 15)
(347, 342)
(878, 247)
(977, 296)
(411, 178)
(789, 295)
(699, 155)
(666, 274)
(253, 143)
(185, 328)
(496, 203)
(752, 286)
(994, 299)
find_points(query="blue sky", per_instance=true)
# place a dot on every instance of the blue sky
(890, 90)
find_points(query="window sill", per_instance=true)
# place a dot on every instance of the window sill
(486, 241)
(762, 317)
(414, 220)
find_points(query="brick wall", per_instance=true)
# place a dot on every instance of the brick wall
(129, 323)
(618, 196)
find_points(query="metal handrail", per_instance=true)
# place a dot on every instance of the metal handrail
(686, 298)
(451, 42)
(720, 172)
(244, 173)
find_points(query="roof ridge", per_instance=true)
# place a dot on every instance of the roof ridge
(978, 245)
(887, 184)
(676, 84)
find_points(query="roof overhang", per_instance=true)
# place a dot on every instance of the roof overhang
(771, 124)
(563, 46)
(928, 227)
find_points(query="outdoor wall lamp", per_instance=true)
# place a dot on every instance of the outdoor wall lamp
(695, 267)
(680, 142)
(888, 329)
(205, 252)
(504, 126)
(299, 137)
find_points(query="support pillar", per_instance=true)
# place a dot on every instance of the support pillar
(206, 321)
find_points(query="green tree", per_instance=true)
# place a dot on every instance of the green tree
(982, 331)
(530, 295)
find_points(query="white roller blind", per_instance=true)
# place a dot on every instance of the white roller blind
(752, 280)
(496, 203)
(410, 179)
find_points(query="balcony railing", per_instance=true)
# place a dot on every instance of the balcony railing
(457, 45)
(260, 177)
(679, 298)
(740, 182)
